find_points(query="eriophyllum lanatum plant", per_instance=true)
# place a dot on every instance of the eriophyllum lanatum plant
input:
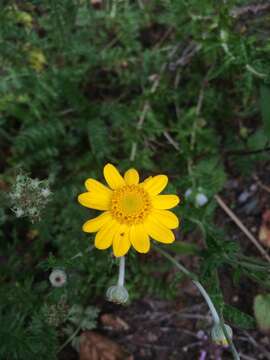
(134, 212)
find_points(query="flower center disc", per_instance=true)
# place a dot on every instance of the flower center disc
(130, 204)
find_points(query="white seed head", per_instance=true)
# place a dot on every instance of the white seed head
(58, 278)
(201, 199)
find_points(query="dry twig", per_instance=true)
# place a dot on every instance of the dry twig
(241, 226)
(261, 185)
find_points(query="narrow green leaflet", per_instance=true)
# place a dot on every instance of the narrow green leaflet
(265, 107)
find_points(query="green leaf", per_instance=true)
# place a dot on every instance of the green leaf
(181, 247)
(262, 311)
(99, 139)
(265, 107)
(238, 318)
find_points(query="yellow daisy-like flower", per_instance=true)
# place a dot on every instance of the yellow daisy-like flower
(133, 211)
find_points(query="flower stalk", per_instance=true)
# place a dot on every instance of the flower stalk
(216, 318)
(118, 293)
(121, 275)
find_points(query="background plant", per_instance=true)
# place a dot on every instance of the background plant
(171, 86)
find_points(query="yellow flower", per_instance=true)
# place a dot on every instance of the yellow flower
(133, 211)
(37, 59)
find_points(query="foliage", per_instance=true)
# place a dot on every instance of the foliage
(261, 310)
(177, 87)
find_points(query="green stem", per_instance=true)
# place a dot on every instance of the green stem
(176, 263)
(121, 276)
(209, 302)
(215, 315)
(72, 336)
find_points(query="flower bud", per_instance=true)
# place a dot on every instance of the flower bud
(218, 335)
(117, 294)
(188, 193)
(201, 199)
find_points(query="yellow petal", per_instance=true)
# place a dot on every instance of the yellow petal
(147, 179)
(166, 218)
(139, 238)
(132, 177)
(158, 231)
(94, 201)
(165, 201)
(95, 224)
(156, 184)
(121, 241)
(113, 177)
(104, 237)
(95, 186)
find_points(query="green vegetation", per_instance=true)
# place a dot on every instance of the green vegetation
(175, 87)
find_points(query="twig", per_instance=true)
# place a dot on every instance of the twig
(241, 226)
(171, 140)
(261, 185)
(146, 105)
(253, 9)
(189, 52)
(72, 336)
(255, 344)
(198, 111)
(246, 152)
(246, 357)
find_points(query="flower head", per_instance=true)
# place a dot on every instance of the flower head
(58, 278)
(133, 211)
(28, 197)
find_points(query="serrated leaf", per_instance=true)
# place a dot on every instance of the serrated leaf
(265, 107)
(181, 247)
(99, 138)
(262, 311)
(210, 175)
(238, 318)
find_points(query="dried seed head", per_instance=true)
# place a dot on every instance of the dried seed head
(58, 278)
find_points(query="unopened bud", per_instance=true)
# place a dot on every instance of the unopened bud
(218, 335)
(201, 199)
(117, 294)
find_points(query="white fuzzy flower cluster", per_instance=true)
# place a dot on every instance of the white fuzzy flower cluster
(28, 197)
(197, 197)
